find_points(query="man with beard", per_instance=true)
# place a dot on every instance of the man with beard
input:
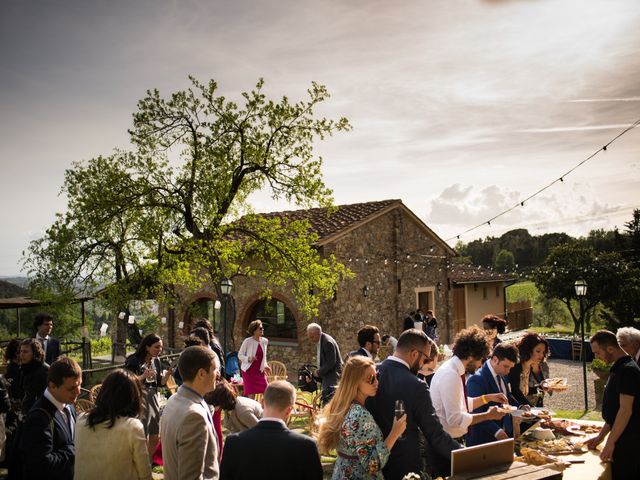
(398, 381)
(620, 408)
(449, 385)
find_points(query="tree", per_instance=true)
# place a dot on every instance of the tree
(565, 264)
(505, 261)
(172, 214)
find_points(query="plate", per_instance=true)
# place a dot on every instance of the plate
(524, 415)
(542, 412)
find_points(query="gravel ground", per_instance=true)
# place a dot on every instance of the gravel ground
(572, 399)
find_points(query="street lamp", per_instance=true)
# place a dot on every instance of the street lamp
(225, 288)
(581, 292)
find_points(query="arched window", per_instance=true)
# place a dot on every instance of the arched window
(278, 320)
(205, 308)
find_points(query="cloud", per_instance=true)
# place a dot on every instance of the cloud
(459, 208)
(573, 129)
(596, 100)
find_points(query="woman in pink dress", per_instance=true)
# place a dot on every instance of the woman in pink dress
(253, 360)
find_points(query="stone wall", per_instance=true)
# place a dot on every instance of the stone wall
(392, 256)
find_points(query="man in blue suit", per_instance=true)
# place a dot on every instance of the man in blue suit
(493, 378)
(46, 446)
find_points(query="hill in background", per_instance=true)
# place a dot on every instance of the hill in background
(10, 289)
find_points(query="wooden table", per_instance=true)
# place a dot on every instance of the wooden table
(517, 470)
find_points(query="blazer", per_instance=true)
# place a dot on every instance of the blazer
(244, 416)
(270, 451)
(248, 349)
(531, 398)
(398, 383)
(119, 452)
(53, 350)
(360, 352)
(189, 445)
(46, 445)
(330, 366)
(481, 383)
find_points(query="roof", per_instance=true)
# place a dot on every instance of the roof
(334, 222)
(23, 302)
(462, 273)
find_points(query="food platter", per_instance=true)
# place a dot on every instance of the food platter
(557, 384)
(559, 446)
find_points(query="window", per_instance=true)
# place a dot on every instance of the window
(276, 317)
(205, 308)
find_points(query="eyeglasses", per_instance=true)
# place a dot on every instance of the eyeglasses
(372, 379)
(427, 358)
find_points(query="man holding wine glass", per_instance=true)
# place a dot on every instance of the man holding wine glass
(401, 390)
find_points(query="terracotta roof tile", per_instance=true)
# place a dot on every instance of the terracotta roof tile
(341, 217)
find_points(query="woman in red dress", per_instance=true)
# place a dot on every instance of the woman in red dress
(253, 360)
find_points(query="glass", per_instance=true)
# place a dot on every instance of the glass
(149, 366)
(399, 412)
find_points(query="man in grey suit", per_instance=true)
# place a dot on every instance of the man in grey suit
(189, 444)
(329, 360)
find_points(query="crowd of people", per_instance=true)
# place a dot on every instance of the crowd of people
(405, 414)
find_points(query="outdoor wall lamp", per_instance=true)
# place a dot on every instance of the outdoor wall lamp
(365, 291)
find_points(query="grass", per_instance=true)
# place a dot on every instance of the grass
(591, 415)
(522, 291)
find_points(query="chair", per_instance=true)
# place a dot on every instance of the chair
(171, 384)
(278, 371)
(83, 405)
(576, 349)
(93, 392)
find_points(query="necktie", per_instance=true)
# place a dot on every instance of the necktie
(69, 419)
(500, 385)
(464, 389)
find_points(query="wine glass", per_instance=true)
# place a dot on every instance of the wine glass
(399, 412)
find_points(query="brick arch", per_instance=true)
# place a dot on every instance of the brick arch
(186, 315)
(257, 297)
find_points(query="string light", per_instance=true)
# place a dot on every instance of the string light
(549, 185)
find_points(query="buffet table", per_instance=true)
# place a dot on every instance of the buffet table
(560, 348)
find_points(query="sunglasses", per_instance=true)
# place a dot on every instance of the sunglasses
(372, 379)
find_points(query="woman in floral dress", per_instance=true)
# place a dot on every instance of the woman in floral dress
(346, 425)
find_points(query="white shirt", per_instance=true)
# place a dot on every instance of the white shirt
(499, 381)
(447, 394)
(44, 341)
(61, 407)
(393, 343)
(399, 360)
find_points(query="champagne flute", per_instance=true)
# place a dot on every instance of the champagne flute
(399, 412)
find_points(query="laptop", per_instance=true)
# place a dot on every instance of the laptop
(483, 457)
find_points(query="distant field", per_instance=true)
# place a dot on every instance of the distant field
(522, 291)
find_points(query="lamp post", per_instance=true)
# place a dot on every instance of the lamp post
(225, 288)
(581, 292)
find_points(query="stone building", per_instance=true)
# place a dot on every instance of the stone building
(400, 264)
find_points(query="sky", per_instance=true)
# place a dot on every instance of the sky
(460, 108)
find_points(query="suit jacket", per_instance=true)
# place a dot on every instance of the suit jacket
(53, 350)
(481, 383)
(270, 451)
(246, 415)
(189, 445)
(46, 446)
(330, 366)
(398, 383)
(360, 352)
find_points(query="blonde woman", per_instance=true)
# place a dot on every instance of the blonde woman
(253, 360)
(346, 425)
